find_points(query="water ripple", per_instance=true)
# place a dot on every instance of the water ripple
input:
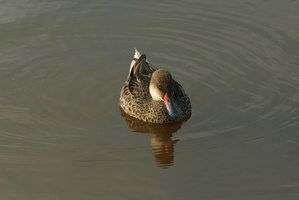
(232, 66)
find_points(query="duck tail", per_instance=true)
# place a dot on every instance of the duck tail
(137, 54)
(136, 57)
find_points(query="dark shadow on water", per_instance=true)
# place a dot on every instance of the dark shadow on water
(162, 143)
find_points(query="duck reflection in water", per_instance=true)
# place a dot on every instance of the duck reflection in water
(162, 143)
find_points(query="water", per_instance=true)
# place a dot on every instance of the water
(63, 63)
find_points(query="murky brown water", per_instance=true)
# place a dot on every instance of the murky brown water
(63, 63)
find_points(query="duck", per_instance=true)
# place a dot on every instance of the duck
(152, 95)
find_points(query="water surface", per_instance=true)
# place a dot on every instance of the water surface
(63, 136)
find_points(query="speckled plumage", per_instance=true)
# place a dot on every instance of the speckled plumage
(136, 99)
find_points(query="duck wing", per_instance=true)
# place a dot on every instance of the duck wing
(140, 75)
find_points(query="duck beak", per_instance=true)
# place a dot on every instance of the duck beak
(170, 105)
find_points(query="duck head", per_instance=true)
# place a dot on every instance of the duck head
(161, 89)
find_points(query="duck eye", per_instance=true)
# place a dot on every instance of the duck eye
(159, 86)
